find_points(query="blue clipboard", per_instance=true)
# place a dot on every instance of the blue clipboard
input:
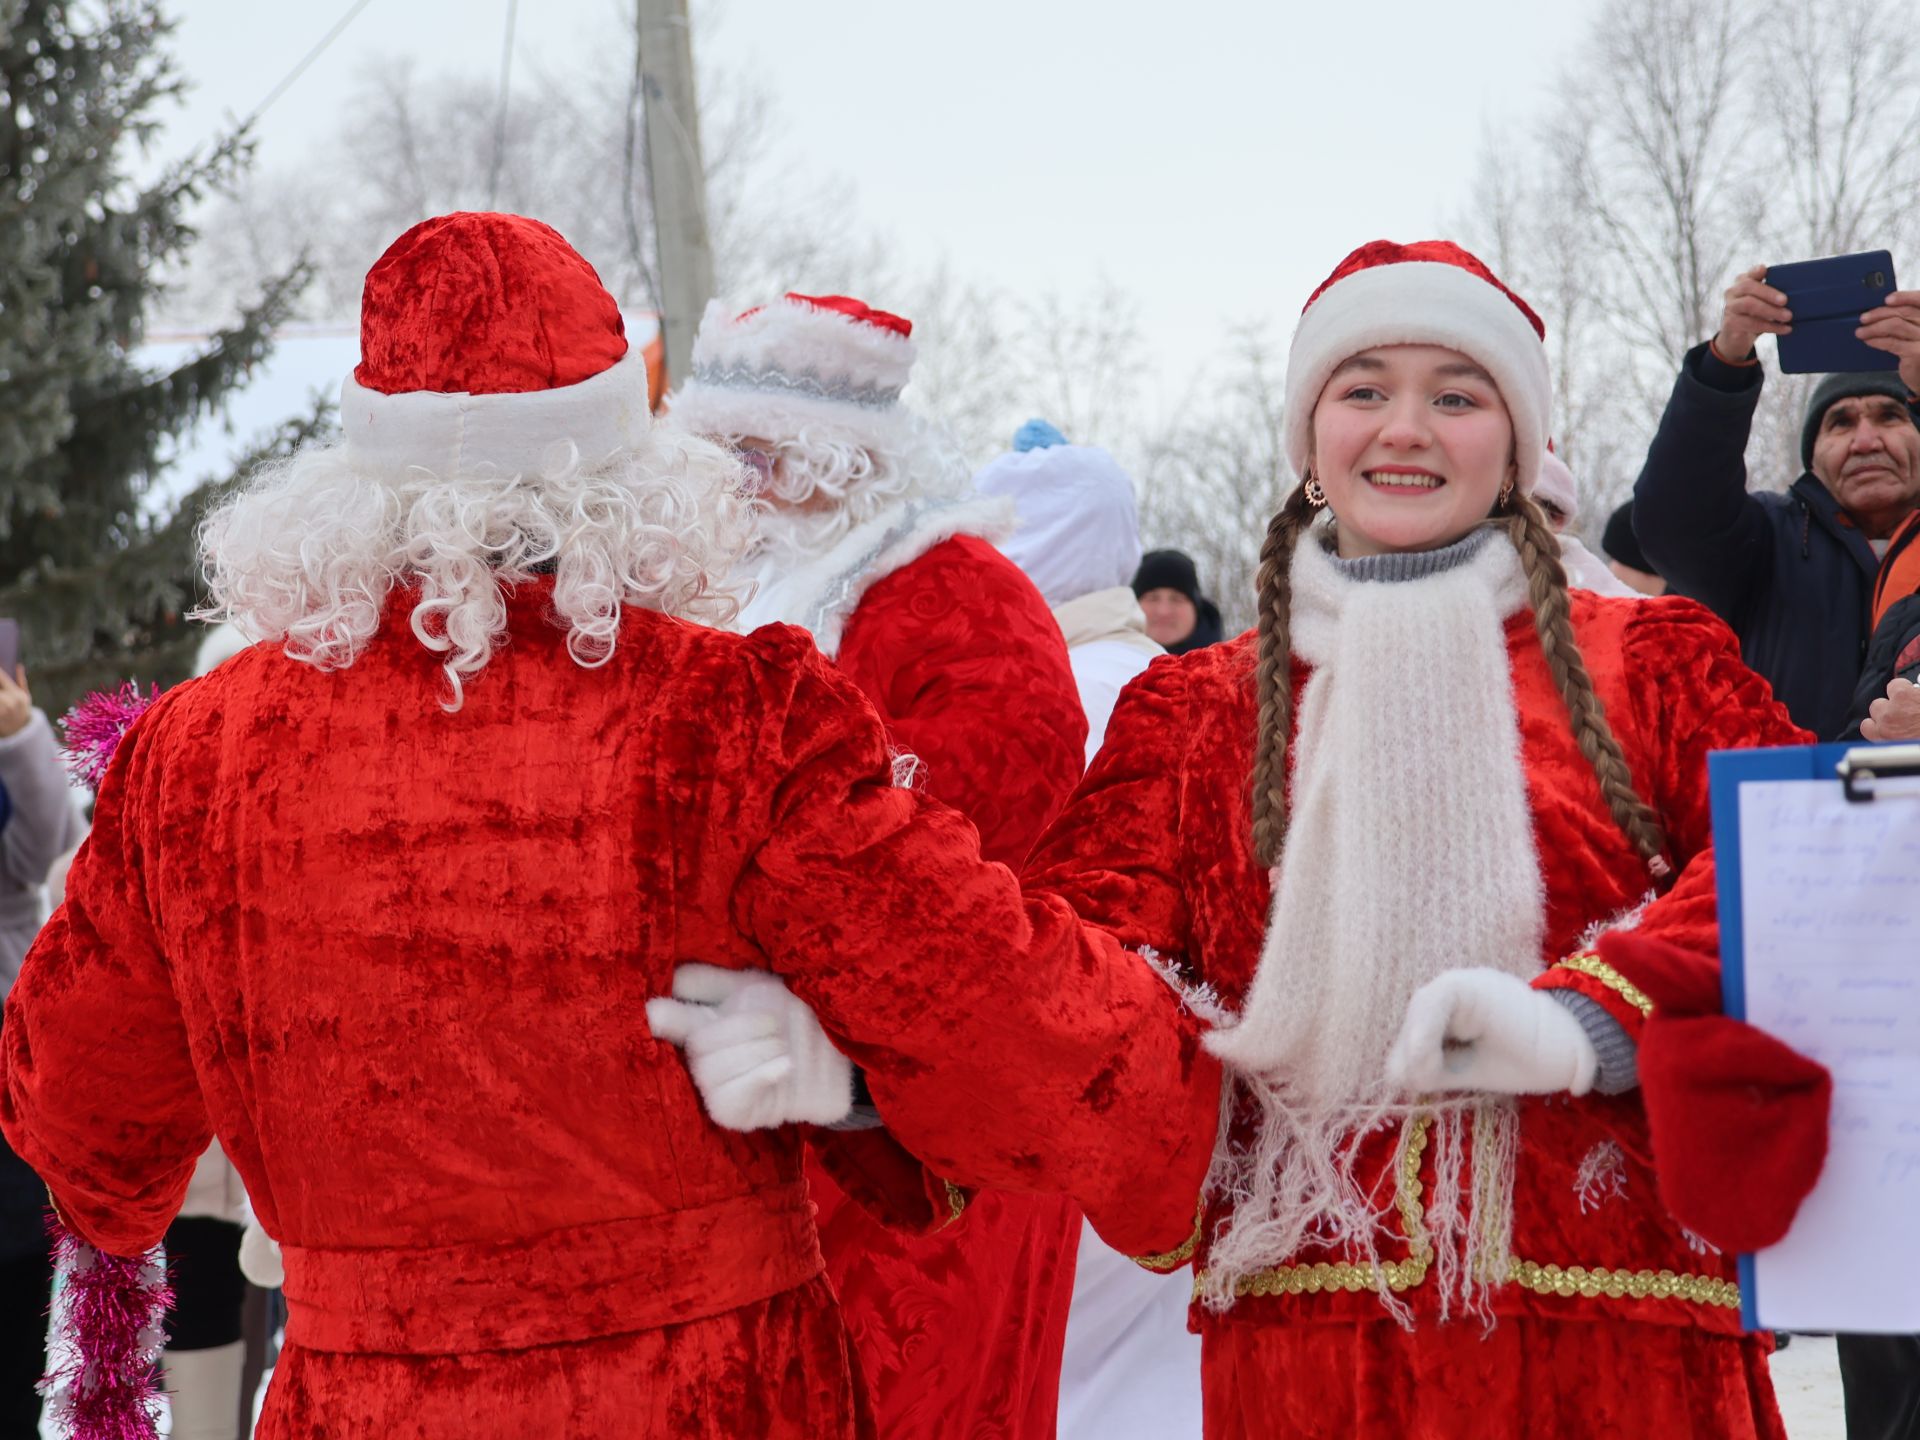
(1851, 765)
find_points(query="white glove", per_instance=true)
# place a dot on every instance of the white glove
(260, 1257)
(759, 1057)
(1487, 1030)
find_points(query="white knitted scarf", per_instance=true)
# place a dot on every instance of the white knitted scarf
(1409, 852)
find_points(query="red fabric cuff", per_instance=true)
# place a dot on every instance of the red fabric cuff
(1594, 978)
(1674, 978)
(1168, 1261)
(879, 1175)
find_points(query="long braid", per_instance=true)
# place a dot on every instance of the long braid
(1527, 527)
(1273, 680)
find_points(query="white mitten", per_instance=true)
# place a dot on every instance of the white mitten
(759, 1057)
(260, 1257)
(1487, 1030)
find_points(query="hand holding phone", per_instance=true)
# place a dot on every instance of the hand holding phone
(1753, 308)
(1827, 300)
(1895, 329)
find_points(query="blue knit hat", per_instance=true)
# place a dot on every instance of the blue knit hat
(1037, 435)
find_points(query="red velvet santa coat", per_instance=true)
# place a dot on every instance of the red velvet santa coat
(1156, 847)
(398, 961)
(960, 1331)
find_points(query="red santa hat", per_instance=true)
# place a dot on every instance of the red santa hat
(1429, 293)
(487, 341)
(806, 363)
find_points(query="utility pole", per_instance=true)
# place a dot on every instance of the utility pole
(677, 181)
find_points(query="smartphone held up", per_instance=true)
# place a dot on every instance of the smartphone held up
(1827, 298)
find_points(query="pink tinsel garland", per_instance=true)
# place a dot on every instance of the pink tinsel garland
(108, 1333)
(94, 725)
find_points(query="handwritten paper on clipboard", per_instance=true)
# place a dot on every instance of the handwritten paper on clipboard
(1826, 955)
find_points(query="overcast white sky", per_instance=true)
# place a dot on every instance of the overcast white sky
(1214, 157)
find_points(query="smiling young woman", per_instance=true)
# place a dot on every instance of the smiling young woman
(1461, 774)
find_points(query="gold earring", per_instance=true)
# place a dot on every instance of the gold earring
(1314, 491)
(1506, 493)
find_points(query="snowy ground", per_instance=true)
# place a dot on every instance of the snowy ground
(1806, 1376)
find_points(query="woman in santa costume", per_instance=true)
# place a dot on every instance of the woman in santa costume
(873, 540)
(382, 902)
(1431, 850)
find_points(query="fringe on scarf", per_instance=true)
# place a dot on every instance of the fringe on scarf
(1293, 1184)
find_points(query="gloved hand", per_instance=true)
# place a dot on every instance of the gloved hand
(759, 1057)
(1486, 1030)
(260, 1257)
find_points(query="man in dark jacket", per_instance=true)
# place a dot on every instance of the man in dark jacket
(1791, 573)
(1179, 617)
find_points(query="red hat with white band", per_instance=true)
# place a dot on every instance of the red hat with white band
(827, 366)
(1429, 293)
(488, 342)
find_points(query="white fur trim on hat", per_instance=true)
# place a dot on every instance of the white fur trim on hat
(790, 366)
(1421, 302)
(516, 434)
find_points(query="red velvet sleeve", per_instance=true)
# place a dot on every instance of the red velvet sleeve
(971, 671)
(1693, 695)
(100, 1095)
(1113, 854)
(1005, 1044)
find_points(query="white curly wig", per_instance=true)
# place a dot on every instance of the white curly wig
(308, 551)
(826, 482)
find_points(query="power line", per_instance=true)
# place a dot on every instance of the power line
(312, 55)
(500, 106)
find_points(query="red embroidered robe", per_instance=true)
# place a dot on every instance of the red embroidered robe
(1612, 1322)
(398, 961)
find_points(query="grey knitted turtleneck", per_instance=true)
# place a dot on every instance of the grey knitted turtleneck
(1619, 1055)
(1413, 564)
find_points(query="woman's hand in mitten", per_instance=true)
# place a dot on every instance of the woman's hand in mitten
(757, 1053)
(1486, 1030)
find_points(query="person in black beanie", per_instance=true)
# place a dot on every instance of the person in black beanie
(1179, 617)
(1792, 573)
(1624, 556)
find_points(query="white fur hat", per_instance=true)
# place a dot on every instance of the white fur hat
(1429, 293)
(805, 363)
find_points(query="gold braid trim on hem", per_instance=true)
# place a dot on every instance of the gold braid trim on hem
(1344, 1275)
(1589, 1281)
(1594, 1281)
(1173, 1259)
(1594, 967)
